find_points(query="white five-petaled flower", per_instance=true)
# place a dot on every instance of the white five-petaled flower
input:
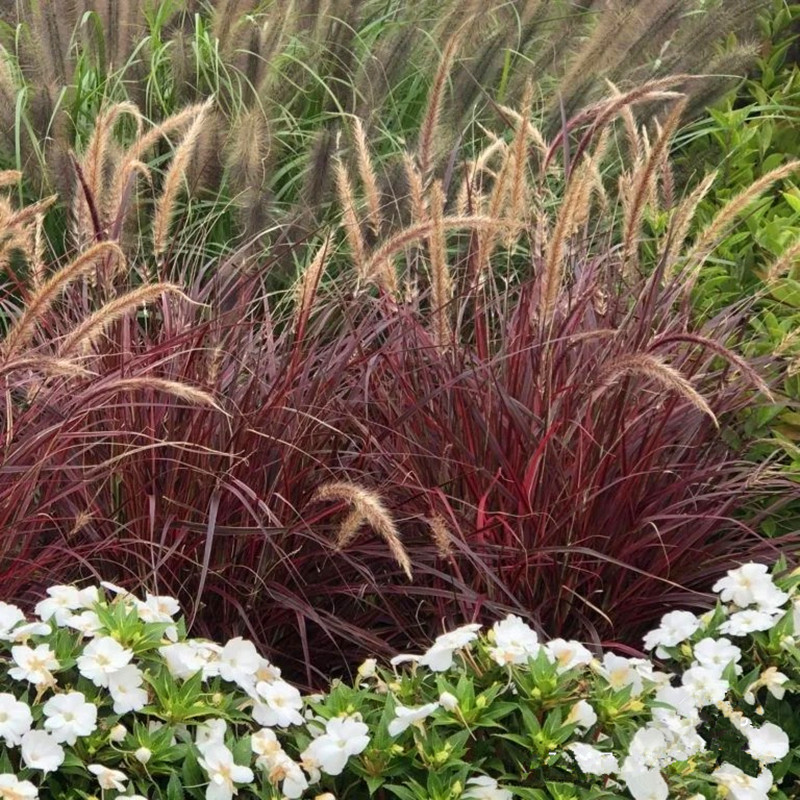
(567, 654)
(33, 664)
(15, 719)
(750, 620)
(39, 750)
(482, 787)
(126, 689)
(12, 788)
(513, 641)
(237, 662)
(70, 716)
(185, 659)
(621, 672)
(767, 744)
(405, 716)
(109, 778)
(741, 786)
(278, 703)
(716, 654)
(101, 658)
(223, 772)
(439, 656)
(343, 737)
(705, 686)
(581, 715)
(674, 628)
(644, 783)
(10, 616)
(59, 605)
(750, 584)
(771, 680)
(593, 761)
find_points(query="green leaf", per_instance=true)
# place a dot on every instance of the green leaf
(174, 788)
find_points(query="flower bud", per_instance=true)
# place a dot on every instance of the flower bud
(143, 754)
(118, 733)
(448, 701)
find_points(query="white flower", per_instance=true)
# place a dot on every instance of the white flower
(24, 632)
(12, 788)
(118, 733)
(482, 787)
(647, 748)
(109, 778)
(60, 604)
(15, 719)
(767, 744)
(439, 656)
(185, 659)
(9, 617)
(705, 686)
(126, 689)
(621, 672)
(237, 662)
(675, 627)
(367, 669)
(741, 786)
(343, 737)
(223, 772)
(593, 761)
(264, 743)
(403, 717)
(210, 732)
(749, 585)
(103, 657)
(33, 665)
(716, 654)
(70, 716)
(448, 701)
(158, 608)
(514, 641)
(681, 699)
(284, 771)
(567, 654)
(751, 619)
(772, 680)
(143, 754)
(278, 703)
(644, 784)
(582, 715)
(87, 623)
(40, 751)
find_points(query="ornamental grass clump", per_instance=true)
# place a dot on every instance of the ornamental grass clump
(102, 690)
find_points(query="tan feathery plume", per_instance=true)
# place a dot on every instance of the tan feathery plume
(708, 237)
(654, 368)
(441, 281)
(441, 535)
(309, 282)
(369, 508)
(366, 172)
(183, 391)
(517, 210)
(352, 227)
(132, 160)
(82, 337)
(487, 239)
(781, 265)
(415, 189)
(46, 365)
(681, 222)
(431, 120)
(473, 169)
(578, 190)
(8, 177)
(380, 260)
(172, 180)
(23, 328)
(642, 186)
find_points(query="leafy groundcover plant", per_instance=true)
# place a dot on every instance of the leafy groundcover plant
(107, 697)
